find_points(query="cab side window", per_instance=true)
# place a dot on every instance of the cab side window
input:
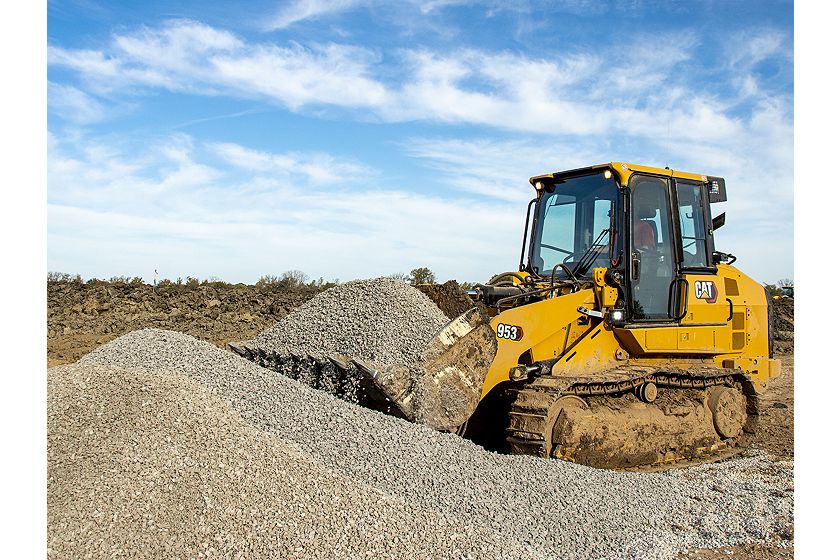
(693, 225)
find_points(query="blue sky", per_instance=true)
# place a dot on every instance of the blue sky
(356, 138)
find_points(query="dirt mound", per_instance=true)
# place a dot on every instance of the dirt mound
(81, 317)
(449, 297)
(783, 324)
(783, 314)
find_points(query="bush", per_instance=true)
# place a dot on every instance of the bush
(288, 280)
(216, 282)
(63, 278)
(422, 275)
(268, 280)
(402, 277)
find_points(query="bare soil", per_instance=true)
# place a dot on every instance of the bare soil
(82, 317)
(744, 552)
(448, 296)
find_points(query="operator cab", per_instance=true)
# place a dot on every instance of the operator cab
(649, 227)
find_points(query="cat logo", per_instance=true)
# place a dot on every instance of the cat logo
(705, 289)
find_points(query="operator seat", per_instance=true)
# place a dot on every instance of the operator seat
(644, 228)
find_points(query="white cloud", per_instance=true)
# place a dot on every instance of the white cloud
(753, 46)
(316, 167)
(86, 62)
(300, 10)
(296, 11)
(73, 104)
(296, 76)
(186, 56)
(501, 169)
(187, 210)
(430, 6)
(640, 93)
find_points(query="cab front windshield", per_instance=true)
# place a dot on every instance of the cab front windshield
(575, 221)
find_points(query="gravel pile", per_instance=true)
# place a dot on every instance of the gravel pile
(150, 464)
(382, 320)
(550, 508)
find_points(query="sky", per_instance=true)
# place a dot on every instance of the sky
(358, 138)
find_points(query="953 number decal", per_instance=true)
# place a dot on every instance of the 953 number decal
(509, 332)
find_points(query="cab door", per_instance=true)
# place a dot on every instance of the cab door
(652, 255)
(706, 312)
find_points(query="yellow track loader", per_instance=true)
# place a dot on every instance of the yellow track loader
(624, 339)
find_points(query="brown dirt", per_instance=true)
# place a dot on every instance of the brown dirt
(81, 317)
(448, 296)
(783, 314)
(775, 428)
(783, 324)
(744, 552)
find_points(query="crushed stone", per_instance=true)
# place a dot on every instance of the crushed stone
(383, 320)
(549, 508)
(149, 463)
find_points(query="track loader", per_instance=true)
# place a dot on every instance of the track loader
(623, 340)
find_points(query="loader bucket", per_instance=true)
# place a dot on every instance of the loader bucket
(443, 388)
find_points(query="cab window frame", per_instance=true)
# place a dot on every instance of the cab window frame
(710, 267)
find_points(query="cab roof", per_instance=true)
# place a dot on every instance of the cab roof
(623, 171)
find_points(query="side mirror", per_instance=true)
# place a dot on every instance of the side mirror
(718, 221)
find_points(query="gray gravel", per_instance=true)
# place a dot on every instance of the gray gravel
(382, 320)
(551, 508)
(150, 464)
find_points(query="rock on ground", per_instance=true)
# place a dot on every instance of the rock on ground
(382, 320)
(148, 463)
(548, 507)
